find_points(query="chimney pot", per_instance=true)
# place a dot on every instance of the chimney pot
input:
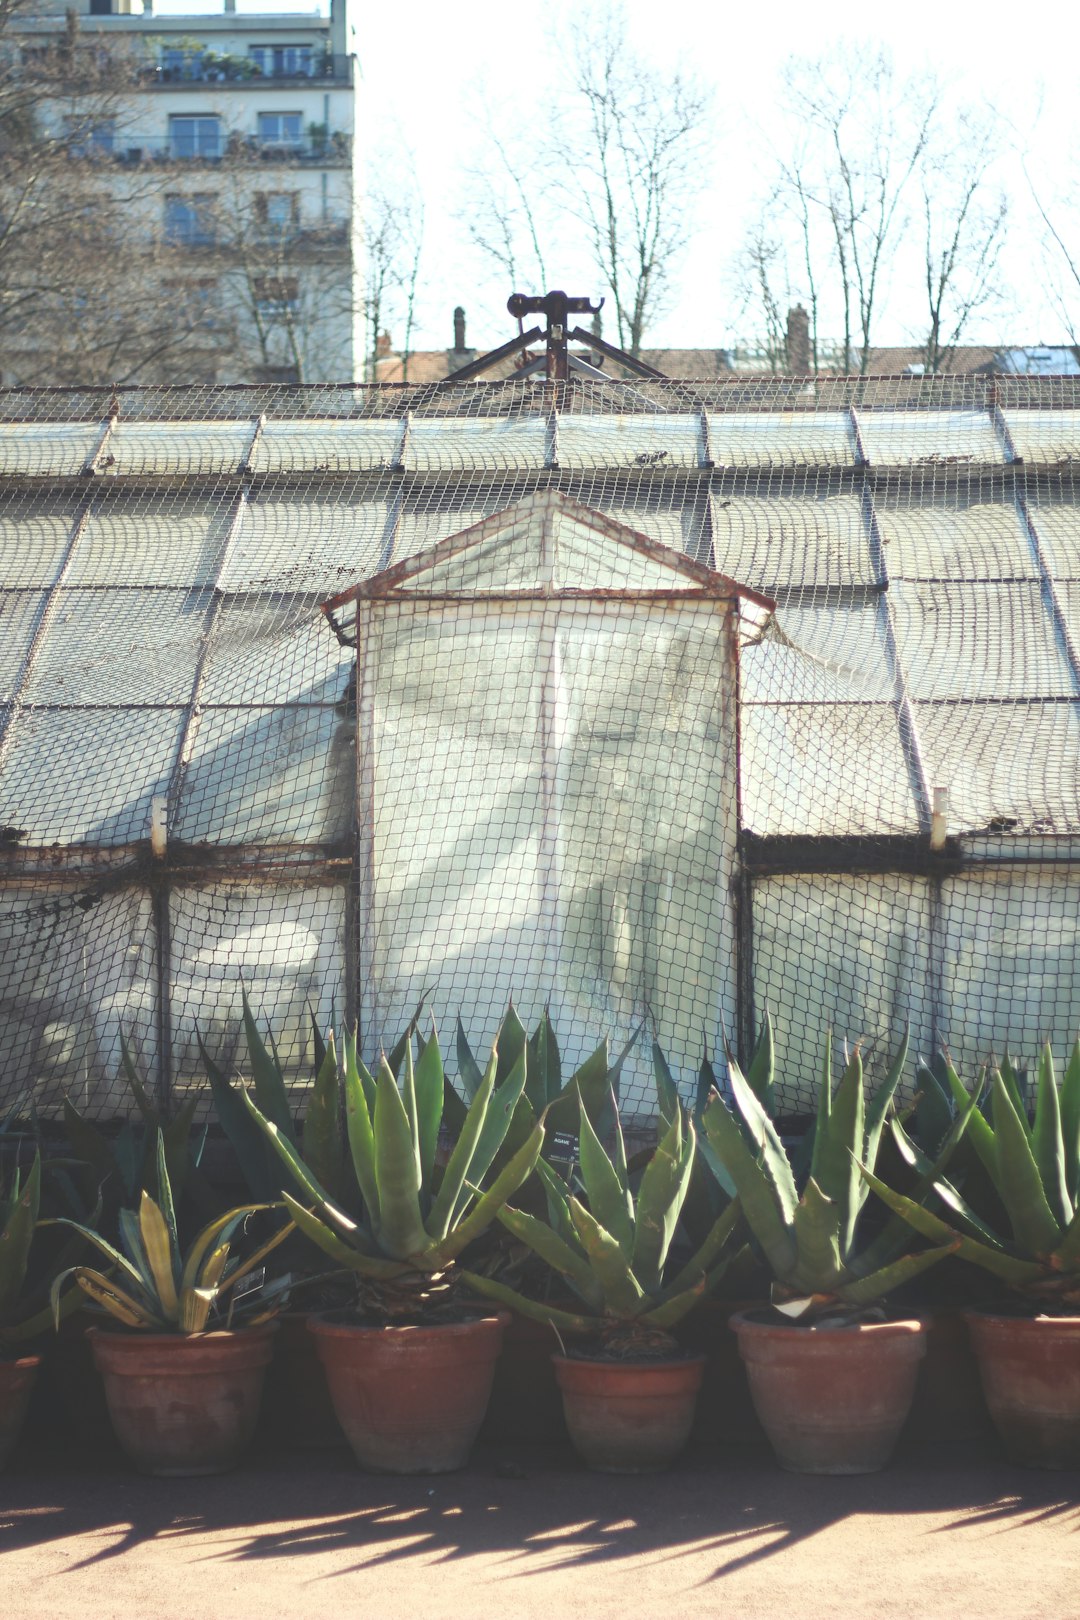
(459, 329)
(798, 342)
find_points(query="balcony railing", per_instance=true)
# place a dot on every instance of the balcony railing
(132, 151)
(210, 68)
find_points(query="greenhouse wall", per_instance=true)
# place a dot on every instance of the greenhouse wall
(795, 728)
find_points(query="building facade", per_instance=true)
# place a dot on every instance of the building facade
(229, 140)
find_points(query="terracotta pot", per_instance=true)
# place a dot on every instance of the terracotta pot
(525, 1405)
(832, 1400)
(1030, 1368)
(629, 1417)
(297, 1409)
(184, 1404)
(410, 1399)
(16, 1381)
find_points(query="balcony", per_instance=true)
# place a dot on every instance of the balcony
(317, 151)
(181, 69)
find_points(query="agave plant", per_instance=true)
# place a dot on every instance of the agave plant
(413, 1217)
(810, 1238)
(24, 1308)
(151, 1284)
(1035, 1170)
(592, 1086)
(613, 1250)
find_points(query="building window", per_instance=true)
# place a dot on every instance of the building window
(195, 137)
(101, 8)
(195, 300)
(189, 221)
(276, 295)
(282, 61)
(281, 129)
(91, 137)
(278, 212)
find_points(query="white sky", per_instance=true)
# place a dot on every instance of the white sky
(428, 66)
(424, 66)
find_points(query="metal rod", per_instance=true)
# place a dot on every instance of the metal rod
(476, 367)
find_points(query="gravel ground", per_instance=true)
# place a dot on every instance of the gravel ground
(530, 1533)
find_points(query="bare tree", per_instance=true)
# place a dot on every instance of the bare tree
(81, 262)
(393, 252)
(620, 147)
(850, 180)
(964, 221)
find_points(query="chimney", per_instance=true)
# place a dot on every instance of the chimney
(798, 342)
(383, 346)
(459, 329)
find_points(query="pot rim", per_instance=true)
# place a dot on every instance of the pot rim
(663, 1363)
(751, 1321)
(261, 1330)
(988, 1313)
(318, 1323)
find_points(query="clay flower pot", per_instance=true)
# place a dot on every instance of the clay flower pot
(832, 1400)
(410, 1399)
(184, 1403)
(629, 1417)
(1030, 1370)
(16, 1381)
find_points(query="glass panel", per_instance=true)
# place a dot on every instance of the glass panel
(944, 438)
(848, 954)
(259, 653)
(86, 775)
(1013, 764)
(791, 539)
(75, 969)
(287, 945)
(20, 612)
(990, 641)
(1045, 437)
(34, 536)
(958, 536)
(275, 776)
(824, 770)
(631, 441)
(47, 449)
(1056, 517)
(540, 541)
(679, 523)
(782, 439)
(177, 447)
(424, 526)
(1010, 951)
(826, 653)
(153, 540)
(110, 646)
(477, 443)
(327, 446)
(319, 547)
(553, 818)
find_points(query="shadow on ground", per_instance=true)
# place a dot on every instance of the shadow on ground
(517, 1508)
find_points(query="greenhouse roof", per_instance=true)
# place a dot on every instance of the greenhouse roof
(163, 556)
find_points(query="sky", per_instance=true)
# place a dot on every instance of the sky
(424, 83)
(431, 69)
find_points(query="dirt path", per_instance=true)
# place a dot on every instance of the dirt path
(529, 1534)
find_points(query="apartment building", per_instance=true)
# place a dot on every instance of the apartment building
(230, 146)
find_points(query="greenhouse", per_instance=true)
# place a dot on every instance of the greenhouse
(659, 705)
